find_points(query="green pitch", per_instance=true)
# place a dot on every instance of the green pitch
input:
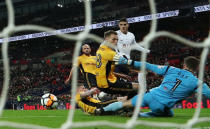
(55, 118)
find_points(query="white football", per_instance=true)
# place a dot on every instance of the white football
(49, 101)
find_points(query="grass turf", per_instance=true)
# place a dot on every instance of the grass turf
(55, 118)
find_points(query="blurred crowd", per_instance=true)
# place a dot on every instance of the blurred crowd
(30, 84)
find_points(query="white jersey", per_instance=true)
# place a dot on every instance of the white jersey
(126, 42)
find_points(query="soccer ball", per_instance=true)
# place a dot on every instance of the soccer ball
(49, 101)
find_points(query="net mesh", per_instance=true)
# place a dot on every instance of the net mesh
(153, 34)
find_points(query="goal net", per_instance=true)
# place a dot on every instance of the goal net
(153, 34)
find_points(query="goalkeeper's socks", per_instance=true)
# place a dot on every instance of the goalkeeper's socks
(114, 106)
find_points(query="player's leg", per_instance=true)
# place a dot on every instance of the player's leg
(100, 105)
(160, 110)
(156, 113)
(153, 105)
(117, 105)
(147, 101)
(129, 103)
(121, 87)
(168, 112)
(157, 109)
(89, 80)
(86, 107)
(122, 69)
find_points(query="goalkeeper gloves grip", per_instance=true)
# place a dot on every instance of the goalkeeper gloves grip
(122, 60)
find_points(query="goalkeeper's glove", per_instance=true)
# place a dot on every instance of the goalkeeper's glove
(122, 60)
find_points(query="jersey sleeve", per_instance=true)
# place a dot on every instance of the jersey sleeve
(78, 62)
(110, 55)
(138, 47)
(158, 69)
(205, 91)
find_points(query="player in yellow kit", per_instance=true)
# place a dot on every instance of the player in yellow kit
(87, 65)
(89, 104)
(107, 80)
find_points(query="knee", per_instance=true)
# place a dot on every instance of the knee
(127, 103)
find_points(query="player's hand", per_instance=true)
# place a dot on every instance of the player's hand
(120, 59)
(96, 91)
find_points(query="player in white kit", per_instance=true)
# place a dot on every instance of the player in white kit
(126, 42)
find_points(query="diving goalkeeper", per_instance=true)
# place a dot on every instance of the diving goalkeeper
(177, 85)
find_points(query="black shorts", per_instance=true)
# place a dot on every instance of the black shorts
(89, 80)
(122, 69)
(119, 87)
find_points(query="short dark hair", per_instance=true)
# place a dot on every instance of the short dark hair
(85, 44)
(191, 62)
(109, 32)
(123, 20)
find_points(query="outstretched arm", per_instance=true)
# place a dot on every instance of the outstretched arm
(205, 91)
(138, 47)
(158, 69)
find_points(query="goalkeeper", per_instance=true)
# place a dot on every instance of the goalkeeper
(177, 85)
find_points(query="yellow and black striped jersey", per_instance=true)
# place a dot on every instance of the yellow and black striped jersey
(89, 104)
(87, 64)
(86, 104)
(105, 66)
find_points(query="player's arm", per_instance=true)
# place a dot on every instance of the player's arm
(89, 92)
(71, 72)
(161, 70)
(70, 75)
(205, 91)
(136, 46)
(158, 69)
